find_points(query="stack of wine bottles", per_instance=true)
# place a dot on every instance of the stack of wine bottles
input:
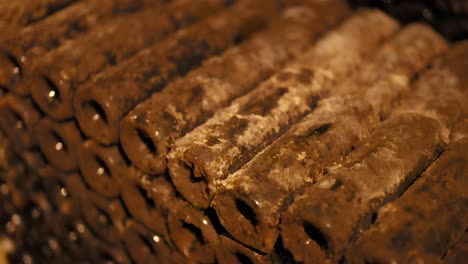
(234, 131)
